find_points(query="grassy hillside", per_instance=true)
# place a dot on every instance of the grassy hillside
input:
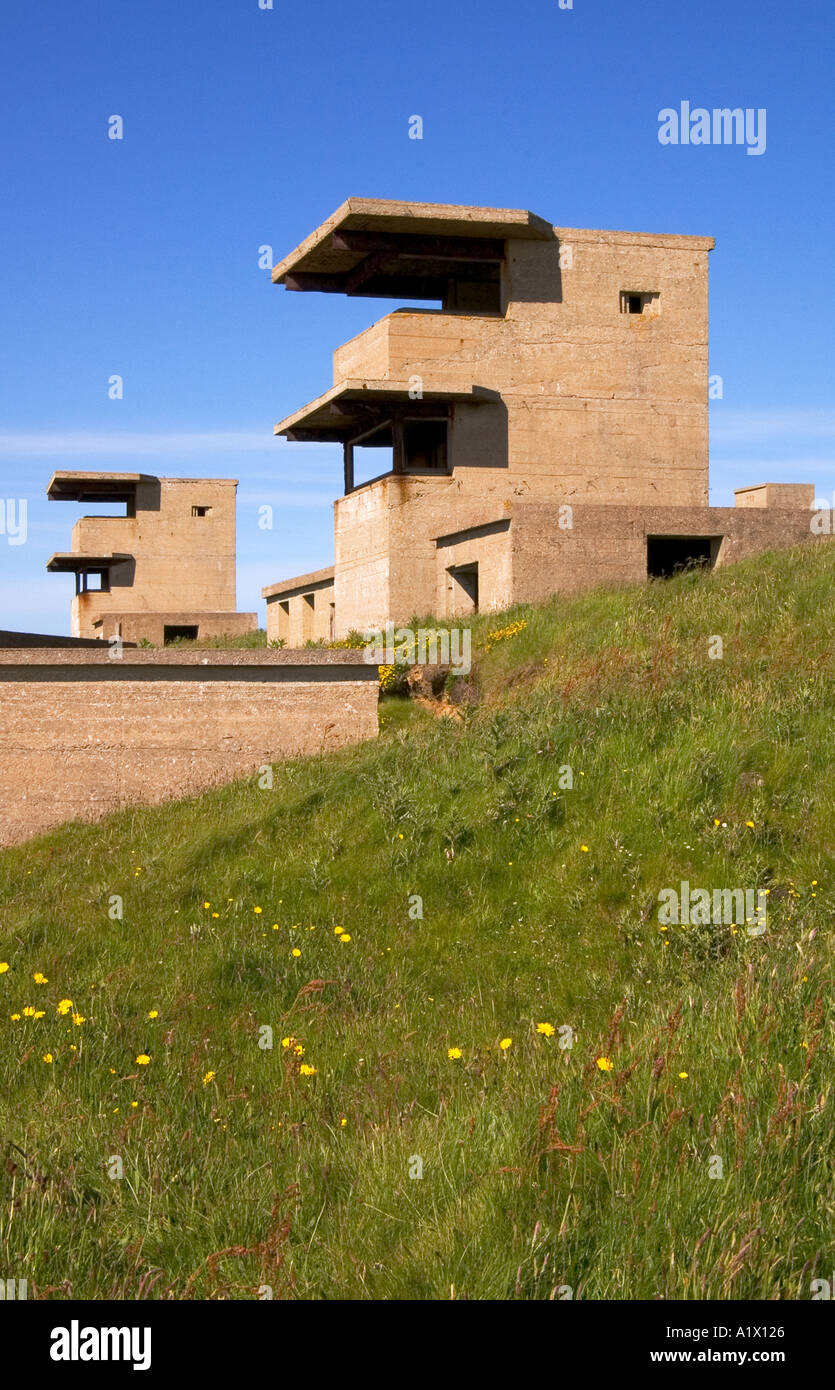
(544, 1167)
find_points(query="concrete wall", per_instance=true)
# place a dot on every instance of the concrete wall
(134, 627)
(608, 545)
(82, 734)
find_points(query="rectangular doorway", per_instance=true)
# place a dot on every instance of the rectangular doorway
(667, 555)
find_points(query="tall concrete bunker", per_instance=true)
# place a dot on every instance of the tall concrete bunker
(163, 569)
(540, 426)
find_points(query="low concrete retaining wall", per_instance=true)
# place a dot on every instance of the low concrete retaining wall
(82, 733)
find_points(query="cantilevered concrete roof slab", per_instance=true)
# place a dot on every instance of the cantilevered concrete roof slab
(70, 562)
(94, 487)
(341, 411)
(372, 246)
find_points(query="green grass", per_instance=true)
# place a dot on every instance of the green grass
(540, 1169)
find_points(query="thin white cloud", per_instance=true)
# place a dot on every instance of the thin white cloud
(137, 443)
(758, 426)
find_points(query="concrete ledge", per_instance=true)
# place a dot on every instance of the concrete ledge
(302, 582)
(259, 658)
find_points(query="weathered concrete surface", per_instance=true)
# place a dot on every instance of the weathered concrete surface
(301, 610)
(173, 555)
(82, 734)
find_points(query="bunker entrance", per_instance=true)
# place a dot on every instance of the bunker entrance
(175, 632)
(666, 555)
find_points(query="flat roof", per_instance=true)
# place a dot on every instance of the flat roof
(379, 246)
(71, 562)
(339, 412)
(67, 486)
(300, 583)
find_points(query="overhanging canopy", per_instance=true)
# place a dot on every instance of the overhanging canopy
(341, 413)
(93, 487)
(371, 246)
(69, 562)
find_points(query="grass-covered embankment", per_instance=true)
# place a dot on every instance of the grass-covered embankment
(543, 1167)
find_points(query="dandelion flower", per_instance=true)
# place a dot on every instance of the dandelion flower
(454, 1054)
(604, 1064)
(750, 824)
(47, 1056)
(257, 910)
(15, 1018)
(345, 936)
(4, 965)
(40, 978)
(207, 905)
(143, 1059)
(505, 1044)
(546, 1029)
(682, 1075)
(343, 1122)
(295, 951)
(306, 1070)
(153, 1013)
(78, 1019)
(64, 1006)
(210, 1076)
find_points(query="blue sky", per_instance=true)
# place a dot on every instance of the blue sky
(246, 126)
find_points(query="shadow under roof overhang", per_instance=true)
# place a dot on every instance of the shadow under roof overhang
(70, 562)
(383, 249)
(94, 487)
(354, 407)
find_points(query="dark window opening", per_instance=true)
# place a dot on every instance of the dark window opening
(637, 302)
(425, 443)
(178, 632)
(666, 555)
(201, 511)
(482, 296)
